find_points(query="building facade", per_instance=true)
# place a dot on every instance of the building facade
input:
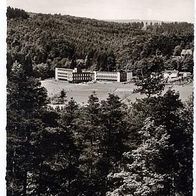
(129, 76)
(73, 75)
(110, 76)
(77, 75)
(63, 74)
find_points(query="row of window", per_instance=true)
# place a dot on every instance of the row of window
(83, 75)
(103, 76)
(65, 70)
(82, 78)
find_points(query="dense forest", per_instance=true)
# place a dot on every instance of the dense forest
(67, 41)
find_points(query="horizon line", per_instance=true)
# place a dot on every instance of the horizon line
(105, 19)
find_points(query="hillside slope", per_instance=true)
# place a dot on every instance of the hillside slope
(56, 40)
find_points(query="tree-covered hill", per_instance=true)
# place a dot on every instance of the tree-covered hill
(60, 40)
(103, 148)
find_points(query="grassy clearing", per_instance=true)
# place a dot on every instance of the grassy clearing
(81, 92)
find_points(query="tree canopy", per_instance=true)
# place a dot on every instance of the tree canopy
(68, 41)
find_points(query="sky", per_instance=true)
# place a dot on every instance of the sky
(164, 10)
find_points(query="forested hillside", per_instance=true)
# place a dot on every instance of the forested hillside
(55, 40)
(104, 148)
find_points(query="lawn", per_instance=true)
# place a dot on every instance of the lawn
(81, 92)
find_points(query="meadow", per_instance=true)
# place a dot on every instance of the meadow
(80, 92)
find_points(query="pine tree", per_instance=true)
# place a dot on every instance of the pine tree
(184, 151)
(90, 129)
(139, 175)
(26, 99)
(112, 136)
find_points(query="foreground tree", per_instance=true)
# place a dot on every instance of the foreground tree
(26, 99)
(112, 136)
(150, 82)
(90, 131)
(139, 174)
(158, 169)
(185, 173)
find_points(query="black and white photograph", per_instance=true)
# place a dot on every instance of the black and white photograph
(99, 97)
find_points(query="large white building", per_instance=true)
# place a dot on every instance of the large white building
(77, 75)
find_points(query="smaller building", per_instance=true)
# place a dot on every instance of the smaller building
(187, 52)
(185, 74)
(170, 74)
